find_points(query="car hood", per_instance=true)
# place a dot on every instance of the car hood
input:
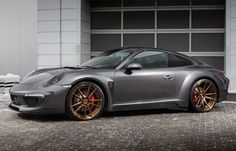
(43, 75)
(68, 74)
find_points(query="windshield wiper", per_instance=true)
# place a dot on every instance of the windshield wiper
(88, 67)
(72, 68)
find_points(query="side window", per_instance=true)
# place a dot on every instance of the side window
(151, 59)
(177, 61)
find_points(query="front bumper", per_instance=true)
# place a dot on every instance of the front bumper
(28, 99)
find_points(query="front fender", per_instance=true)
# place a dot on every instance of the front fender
(105, 83)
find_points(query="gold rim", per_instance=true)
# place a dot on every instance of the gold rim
(86, 101)
(204, 95)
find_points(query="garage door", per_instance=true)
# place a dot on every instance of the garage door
(192, 27)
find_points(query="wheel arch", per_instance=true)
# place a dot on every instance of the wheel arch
(188, 84)
(95, 81)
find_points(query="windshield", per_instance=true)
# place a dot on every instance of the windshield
(108, 60)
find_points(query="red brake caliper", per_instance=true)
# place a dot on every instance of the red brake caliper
(195, 98)
(92, 98)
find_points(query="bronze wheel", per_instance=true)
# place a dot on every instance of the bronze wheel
(85, 101)
(204, 95)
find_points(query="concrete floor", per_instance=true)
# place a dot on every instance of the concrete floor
(133, 130)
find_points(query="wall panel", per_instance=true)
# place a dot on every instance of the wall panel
(18, 38)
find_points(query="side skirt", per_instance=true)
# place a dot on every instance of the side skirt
(171, 104)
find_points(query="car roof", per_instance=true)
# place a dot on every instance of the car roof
(139, 49)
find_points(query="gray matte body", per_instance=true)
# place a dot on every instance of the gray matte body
(141, 89)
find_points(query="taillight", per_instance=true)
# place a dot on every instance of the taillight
(222, 75)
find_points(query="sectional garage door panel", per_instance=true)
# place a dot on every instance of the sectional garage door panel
(176, 42)
(105, 20)
(192, 27)
(208, 2)
(139, 40)
(207, 42)
(139, 20)
(105, 3)
(172, 19)
(217, 62)
(101, 42)
(208, 18)
(130, 3)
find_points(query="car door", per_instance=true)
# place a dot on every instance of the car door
(154, 82)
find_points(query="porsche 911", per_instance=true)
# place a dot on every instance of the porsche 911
(121, 79)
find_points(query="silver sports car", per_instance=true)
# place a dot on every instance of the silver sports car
(122, 79)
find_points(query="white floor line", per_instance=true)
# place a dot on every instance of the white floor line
(6, 110)
(233, 102)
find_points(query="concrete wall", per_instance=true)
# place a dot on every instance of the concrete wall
(18, 36)
(230, 50)
(58, 33)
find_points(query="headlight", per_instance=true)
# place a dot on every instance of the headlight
(55, 79)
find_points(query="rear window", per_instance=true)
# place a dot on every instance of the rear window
(177, 61)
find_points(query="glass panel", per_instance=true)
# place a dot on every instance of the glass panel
(216, 62)
(208, 2)
(177, 61)
(105, 20)
(105, 3)
(101, 42)
(208, 42)
(139, 2)
(107, 60)
(208, 18)
(139, 40)
(172, 19)
(172, 2)
(176, 42)
(151, 59)
(139, 20)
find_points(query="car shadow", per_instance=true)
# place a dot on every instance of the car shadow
(43, 117)
(142, 112)
(104, 115)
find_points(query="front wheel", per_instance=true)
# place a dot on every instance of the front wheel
(85, 101)
(204, 95)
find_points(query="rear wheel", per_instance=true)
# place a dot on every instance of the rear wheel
(85, 101)
(204, 95)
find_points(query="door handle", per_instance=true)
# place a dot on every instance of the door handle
(168, 77)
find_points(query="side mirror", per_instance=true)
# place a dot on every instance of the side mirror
(134, 66)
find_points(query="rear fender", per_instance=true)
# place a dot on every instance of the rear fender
(189, 82)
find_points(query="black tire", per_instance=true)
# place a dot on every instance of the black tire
(85, 101)
(203, 96)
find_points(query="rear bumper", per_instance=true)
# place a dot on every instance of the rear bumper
(223, 90)
(223, 97)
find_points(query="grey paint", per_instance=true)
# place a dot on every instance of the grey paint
(145, 85)
(142, 89)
